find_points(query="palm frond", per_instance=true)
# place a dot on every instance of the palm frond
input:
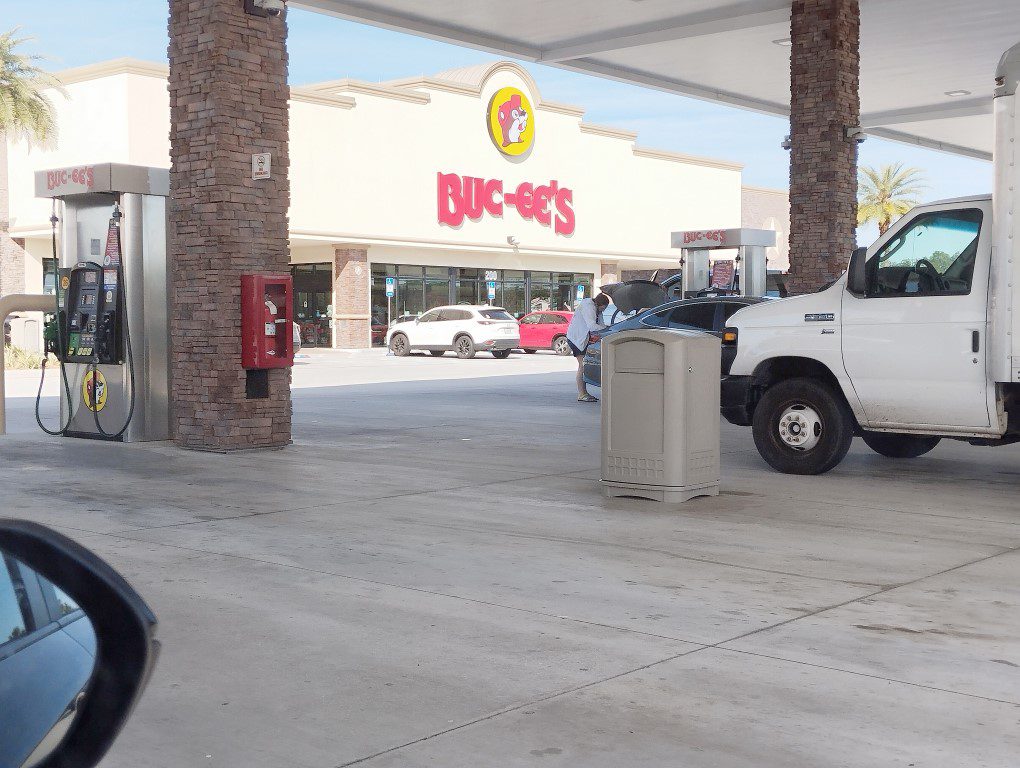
(26, 111)
(886, 193)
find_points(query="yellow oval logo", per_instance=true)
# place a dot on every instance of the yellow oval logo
(93, 391)
(511, 122)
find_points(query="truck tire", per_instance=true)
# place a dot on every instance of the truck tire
(802, 427)
(897, 446)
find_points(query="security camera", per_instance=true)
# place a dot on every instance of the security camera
(265, 7)
(787, 143)
(854, 133)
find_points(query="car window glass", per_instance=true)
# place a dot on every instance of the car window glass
(658, 319)
(531, 320)
(934, 255)
(730, 308)
(555, 319)
(701, 316)
(429, 317)
(64, 602)
(495, 314)
(15, 612)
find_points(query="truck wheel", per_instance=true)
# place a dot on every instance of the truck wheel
(399, 345)
(899, 446)
(802, 427)
(464, 347)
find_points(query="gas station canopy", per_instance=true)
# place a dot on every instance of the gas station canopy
(926, 65)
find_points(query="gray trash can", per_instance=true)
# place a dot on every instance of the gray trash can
(660, 414)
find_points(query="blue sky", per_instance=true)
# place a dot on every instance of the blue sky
(72, 32)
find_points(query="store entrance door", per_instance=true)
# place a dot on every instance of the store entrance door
(313, 303)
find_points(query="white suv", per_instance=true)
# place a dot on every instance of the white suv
(462, 329)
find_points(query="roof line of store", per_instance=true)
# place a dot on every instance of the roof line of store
(340, 239)
(319, 93)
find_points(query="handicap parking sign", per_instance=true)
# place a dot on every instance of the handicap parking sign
(580, 292)
(390, 285)
(492, 289)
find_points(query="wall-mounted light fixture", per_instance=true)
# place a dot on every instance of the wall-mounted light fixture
(512, 241)
(959, 92)
(783, 41)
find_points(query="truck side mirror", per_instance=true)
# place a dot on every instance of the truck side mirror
(857, 276)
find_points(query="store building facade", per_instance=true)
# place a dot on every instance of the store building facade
(465, 187)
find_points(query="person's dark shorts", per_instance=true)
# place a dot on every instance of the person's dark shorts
(573, 349)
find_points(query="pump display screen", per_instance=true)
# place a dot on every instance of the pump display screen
(90, 278)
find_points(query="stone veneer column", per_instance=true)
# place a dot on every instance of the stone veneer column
(228, 100)
(12, 252)
(12, 264)
(352, 310)
(610, 273)
(824, 101)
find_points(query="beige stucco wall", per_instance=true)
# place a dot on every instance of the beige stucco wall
(763, 208)
(364, 160)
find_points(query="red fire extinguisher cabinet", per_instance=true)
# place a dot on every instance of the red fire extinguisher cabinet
(267, 335)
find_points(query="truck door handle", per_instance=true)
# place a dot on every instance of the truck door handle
(975, 341)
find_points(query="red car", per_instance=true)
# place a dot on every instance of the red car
(545, 330)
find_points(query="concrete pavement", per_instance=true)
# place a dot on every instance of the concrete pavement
(429, 576)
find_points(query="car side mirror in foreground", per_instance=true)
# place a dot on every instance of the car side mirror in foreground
(857, 276)
(77, 645)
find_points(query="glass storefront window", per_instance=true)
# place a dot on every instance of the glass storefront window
(410, 296)
(313, 299)
(437, 293)
(467, 291)
(541, 295)
(49, 268)
(405, 270)
(514, 298)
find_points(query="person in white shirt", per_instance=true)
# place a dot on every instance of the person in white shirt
(584, 321)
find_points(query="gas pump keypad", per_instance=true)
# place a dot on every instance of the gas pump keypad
(91, 317)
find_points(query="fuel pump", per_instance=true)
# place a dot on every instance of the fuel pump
(87, 328)
(111, 301)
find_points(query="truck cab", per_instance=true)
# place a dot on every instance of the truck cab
(896, 350)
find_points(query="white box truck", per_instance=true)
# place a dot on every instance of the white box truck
(917, 341)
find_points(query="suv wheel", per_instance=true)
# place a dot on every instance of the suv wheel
(399, 345)
(802, 427)
(436, 352)
(501, 354)
(899, 446)
(560, 346)
(464, 347)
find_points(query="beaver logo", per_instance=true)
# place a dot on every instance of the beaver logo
(93, 391)
(511, 122)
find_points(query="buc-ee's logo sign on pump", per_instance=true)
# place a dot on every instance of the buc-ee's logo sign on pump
(511, 125)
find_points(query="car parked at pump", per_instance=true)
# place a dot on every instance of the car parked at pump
(708, 314)
(545, 330)
(462, 329)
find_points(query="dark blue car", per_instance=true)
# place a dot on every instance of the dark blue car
(702, 314)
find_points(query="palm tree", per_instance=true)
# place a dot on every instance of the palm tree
(887, 193)
(25, 114)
